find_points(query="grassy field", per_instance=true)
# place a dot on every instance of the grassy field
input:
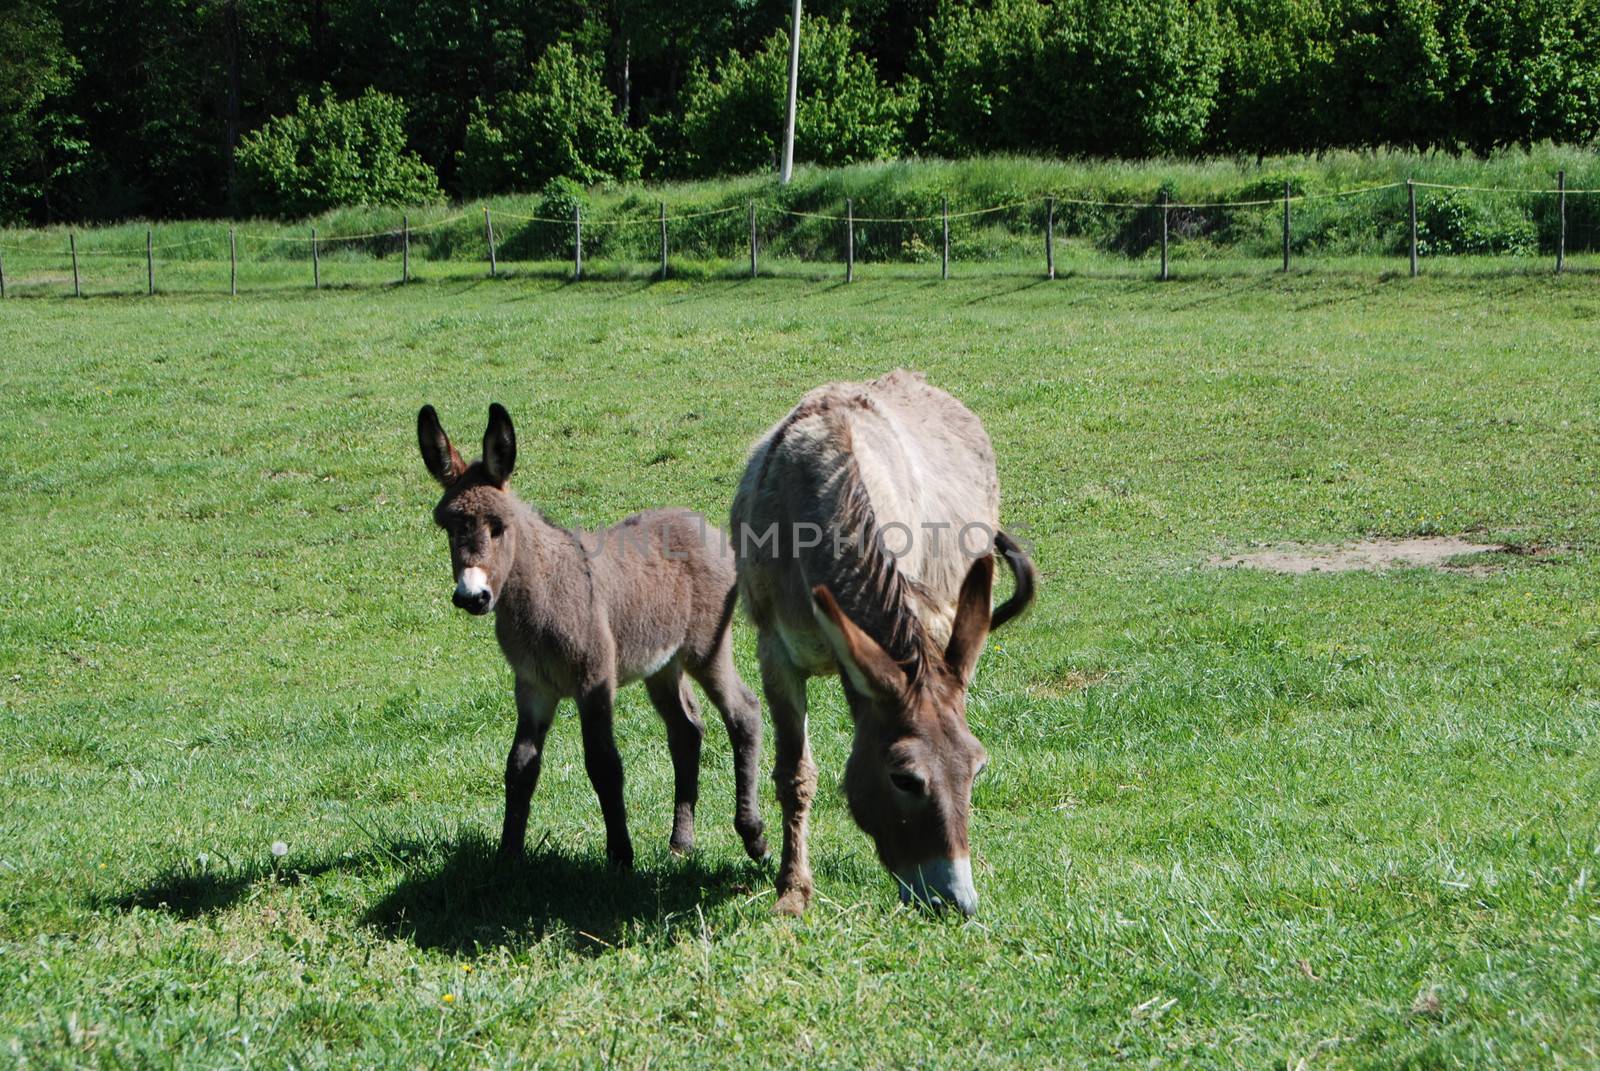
(1231, 818)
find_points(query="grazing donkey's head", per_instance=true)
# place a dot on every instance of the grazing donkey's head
(477, 509)
(910, 773)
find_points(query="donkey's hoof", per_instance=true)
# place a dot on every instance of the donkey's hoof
(792, 903)
(757, 849)
(680, 846)
(622, 858)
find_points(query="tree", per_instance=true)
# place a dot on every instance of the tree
(333, 152)
(564, 125)
(40, 142)
(732, 118)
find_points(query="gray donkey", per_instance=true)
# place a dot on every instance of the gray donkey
(579, 613)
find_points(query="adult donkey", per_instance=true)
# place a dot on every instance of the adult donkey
(864, 529)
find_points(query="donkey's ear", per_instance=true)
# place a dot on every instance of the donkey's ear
(871, 671)
(971, 625)
(437, 454)
(499, 445)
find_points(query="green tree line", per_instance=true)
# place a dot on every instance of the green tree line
(185, 108)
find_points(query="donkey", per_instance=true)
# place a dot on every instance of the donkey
(893, 461)
(578, 613)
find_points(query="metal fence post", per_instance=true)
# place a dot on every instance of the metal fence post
(2, 277)
(316, 262)
(72, 243)
(405, 248)
(944, 265)
(849, 240)
(1164, 211)
(233, 265)
(1050, 238)
(488, 233)
(1561, 220)
(577, 242)
(752, 239)
(149, 264)
(663, 239)
(1286, 225)
(1411, 202)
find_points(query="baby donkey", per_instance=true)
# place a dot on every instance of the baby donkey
(579, 613)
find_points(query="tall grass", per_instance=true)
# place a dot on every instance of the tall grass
(709, 219)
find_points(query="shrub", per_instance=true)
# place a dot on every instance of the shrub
(1448, 221)
(563, 126)
(333, 152)
(732, 119)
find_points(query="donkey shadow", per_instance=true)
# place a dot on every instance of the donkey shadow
(456, 896)
(465, 899)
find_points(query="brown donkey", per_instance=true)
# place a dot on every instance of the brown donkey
(864, 527)
(578, 614)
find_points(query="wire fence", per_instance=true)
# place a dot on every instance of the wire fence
(1422, 222)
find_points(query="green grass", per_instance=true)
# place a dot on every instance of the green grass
(1231, 818)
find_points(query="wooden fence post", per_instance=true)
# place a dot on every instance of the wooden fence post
(405, 248)
(233, 265)
(1561, 220)
(316, 262)
(752, 239)
(1411, 201)
(944, 264)
(72, 243)
(1164, 211)
(1286, 225)
(1050, 238)
(849, 240)
(488, 236)
(149, 264)
(577, 242)
(663, 239)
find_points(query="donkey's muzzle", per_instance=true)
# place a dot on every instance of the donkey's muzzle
(473, 602)
(940, 883)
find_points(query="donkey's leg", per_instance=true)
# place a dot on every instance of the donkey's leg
(669, 692)
(742, 715)
(792, 770)
(536, 708)
(604, 764)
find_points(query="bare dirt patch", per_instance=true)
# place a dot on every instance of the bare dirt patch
(1447, 553)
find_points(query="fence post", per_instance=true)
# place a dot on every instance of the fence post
(316, 262)
(663, 239)
(149, 264)
(577, 242)
(72, 243)
(1164, 211)
(405, 248)
(1285, 225)
(1411, 201)
(1561, 220)
(849, 240)
(2, 277)
(488, 236)
(1050, 238)
(233, 265)
(944, 264)
(752, 239)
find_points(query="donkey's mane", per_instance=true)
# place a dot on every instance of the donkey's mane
(864, 578)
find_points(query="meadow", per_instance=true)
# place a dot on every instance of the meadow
(1231, 818)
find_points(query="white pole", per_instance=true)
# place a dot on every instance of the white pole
(794, 91)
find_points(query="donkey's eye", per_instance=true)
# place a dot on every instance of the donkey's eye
(495, 527)
(909, 782)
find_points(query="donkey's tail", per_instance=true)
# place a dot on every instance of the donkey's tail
(1025, 575)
